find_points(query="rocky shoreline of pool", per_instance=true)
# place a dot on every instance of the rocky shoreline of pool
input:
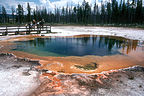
(22, 77)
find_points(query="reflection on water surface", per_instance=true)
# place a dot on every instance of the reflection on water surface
(78, 46)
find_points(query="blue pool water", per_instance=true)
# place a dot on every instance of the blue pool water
(74, 46)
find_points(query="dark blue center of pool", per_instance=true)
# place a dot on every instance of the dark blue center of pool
(73, 46)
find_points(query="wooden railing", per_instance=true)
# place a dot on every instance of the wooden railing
(24, 30)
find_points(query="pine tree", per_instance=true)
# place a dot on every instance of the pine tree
(29, 13)
(70, 14)
(139, 13)
(109, 12)
(128, 11)
(123, 12)
(4, 15)
(94, 13)
(63, 15)
(20, 14)
(87, 13)
(38, 14)
(0, 14)
(45, 14)
(75, 20)
(34, 15)
(115, 11)
(13, 16)
(102, 12)
(66, 16)
(79, 13)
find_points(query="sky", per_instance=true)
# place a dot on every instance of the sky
(49, 4)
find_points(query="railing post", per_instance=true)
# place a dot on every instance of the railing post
(46, 28)
(16, 33)
(37, 29)
(29, 29)
(40, 29)
(50, 28)
(6, 32)
(28, 32)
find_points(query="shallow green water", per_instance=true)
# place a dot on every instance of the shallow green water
(75, 46)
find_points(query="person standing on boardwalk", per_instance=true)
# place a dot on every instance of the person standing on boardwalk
(34, 22)
(42, 23)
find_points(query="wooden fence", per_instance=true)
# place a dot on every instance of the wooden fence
(24, 30)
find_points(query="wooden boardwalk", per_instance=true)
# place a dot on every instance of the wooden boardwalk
(21, 30)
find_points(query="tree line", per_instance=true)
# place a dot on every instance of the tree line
(110, 12)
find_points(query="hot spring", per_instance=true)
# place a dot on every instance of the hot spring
(77, 46)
